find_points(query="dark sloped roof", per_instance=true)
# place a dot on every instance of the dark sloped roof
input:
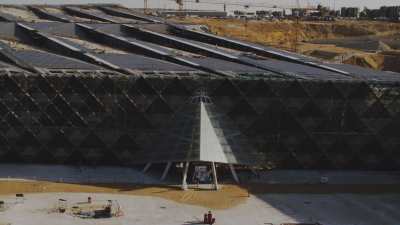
(149, 44)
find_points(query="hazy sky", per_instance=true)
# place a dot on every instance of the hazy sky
(171, 4)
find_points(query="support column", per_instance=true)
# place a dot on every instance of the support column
(254, 171)
(257, 174)
(214, 172)
(166, 170)
(185, 171)
(234, 174)
(146, 167)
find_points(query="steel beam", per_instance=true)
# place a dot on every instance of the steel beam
(167, 167)
(234, 174)
(215, 177)
(147, 167)
(254, 171)
(184, 177)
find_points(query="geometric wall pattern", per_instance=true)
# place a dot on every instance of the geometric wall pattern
(92, 118)
(108, 85)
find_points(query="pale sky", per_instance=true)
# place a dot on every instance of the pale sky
(171, 4)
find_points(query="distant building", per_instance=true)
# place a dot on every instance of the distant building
(259, 14)
(350, 12)
(390, 12)
(194, 13)
(300, 12)
(244, 14)
(278, 14)
(312, 12)
(263, 13)
(383, 13)
(371, 13)
(319, 13)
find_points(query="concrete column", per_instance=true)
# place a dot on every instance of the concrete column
(185, 171)
(166, 170)
(214, 173)
(233, 171)
(146, 167)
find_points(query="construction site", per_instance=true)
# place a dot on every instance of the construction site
(114, 115)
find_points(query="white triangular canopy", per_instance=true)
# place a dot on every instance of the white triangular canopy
(211, 148)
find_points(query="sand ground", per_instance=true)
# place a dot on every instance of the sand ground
(229, 195)
(328, 209)
(350, 198)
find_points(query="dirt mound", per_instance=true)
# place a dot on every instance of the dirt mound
(283, 33)
(387, 60)
(345, 42)
(373, 61)
(326, 51)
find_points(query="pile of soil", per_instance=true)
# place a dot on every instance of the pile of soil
(373, 61)
(283, 33)
(305, 37)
